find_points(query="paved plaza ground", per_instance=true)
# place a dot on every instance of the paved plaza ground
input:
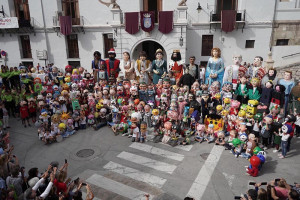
(118, 169)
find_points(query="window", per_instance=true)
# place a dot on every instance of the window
(282, 42)
(73, 51)
(74, 64)
(26, 48)
(71, 8)
(153, 5)
(22, 9)
(207, 45)
(249, 43)
(108, 43)
(226, 5)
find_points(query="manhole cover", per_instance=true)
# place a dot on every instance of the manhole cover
(84, 153)
(204, 156)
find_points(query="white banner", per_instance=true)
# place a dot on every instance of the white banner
(9, 22)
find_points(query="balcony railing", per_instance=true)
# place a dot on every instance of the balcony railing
(75, 21)
(25, 23)
(216, 17)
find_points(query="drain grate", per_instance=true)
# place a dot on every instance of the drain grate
(84, 153)
(204, 156)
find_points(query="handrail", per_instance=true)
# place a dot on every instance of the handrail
(291, 55)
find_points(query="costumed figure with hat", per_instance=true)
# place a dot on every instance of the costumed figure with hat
(135, 130)
(96, 65)
(256, 69)
(215, 67)
(159, 66)
(176, 65)
(234, 72)
(112, 64)
(142, 68)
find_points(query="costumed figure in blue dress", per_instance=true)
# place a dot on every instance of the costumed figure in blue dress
(288, 82)
(159, 66)
(215, 67)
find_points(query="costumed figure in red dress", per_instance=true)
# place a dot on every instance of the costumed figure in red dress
(176, 65)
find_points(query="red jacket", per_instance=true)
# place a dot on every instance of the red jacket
(116, 67)
(24, 112)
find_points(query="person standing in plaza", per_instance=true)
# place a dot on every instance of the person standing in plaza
(96, 63)
(127, 67)
(112, 64)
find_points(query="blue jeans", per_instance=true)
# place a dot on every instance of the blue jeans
(284, 147)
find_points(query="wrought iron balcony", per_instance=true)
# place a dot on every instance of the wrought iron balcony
(77, 24)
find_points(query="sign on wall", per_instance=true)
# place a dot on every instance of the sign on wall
(9, 22)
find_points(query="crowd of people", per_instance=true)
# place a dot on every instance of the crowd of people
(245, 108)
(276, 189)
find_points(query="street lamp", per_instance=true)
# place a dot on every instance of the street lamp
(115, 42)
(199, 8)
(181, 41)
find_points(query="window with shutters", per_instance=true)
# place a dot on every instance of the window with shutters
(153, 5)
(108, 43)
(72, 42)
(22, 9)
(226, 5)
(25, 45)
(207, 44)
(71, 8)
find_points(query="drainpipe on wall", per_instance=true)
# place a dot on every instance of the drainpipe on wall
(45, 30)
(273, 25)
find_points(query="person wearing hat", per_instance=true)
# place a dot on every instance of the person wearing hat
(96, 64)
(112, 64)
(176, 65)
(142, 68)
(159, 66)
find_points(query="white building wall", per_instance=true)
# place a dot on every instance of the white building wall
(234, 43)
(97, 19)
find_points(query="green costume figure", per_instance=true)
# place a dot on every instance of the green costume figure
(4, 75)
(14, 78)
(254, 92)
(9, 103)
(242, 90)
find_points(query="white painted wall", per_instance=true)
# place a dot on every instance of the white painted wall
(234, 43)
(97, 20)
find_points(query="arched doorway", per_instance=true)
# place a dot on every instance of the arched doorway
(150, 47)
